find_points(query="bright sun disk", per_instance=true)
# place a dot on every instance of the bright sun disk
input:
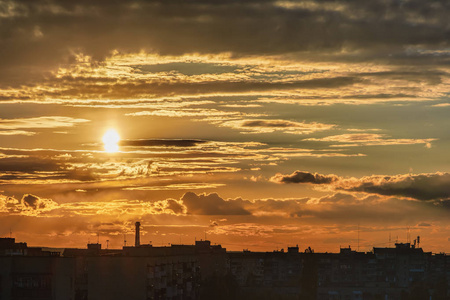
(110, 140)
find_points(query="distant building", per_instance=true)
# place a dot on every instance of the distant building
(30, 273)
(205, 271)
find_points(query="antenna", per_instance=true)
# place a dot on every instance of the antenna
(418, 241)
(124, 239)
(10, 232)
(107, 244)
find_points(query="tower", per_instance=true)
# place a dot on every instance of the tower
(137, 241)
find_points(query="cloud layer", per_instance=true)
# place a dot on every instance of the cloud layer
(435, 186)
(304, 177)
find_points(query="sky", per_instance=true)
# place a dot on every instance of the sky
(256, 124)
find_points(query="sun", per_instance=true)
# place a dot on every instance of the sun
(110, 140)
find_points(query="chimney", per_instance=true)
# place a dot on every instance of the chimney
(137, 242)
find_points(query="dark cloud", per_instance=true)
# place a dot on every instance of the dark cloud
(422, 187)
(336, 207)
(29, 205)
(127, 89)
(28, 164)
(161, 143)
(81, 174)
(269, 123)
(34, 34)
(211, 204)
(304, 177)
(32, 201)
(175, 206)
(434, 186)
(43, 167)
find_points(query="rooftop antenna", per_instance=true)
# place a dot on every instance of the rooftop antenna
(124, 239)
(418, 241)
(107, 244)
(10, 232)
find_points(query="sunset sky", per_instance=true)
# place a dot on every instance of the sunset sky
(261, 124)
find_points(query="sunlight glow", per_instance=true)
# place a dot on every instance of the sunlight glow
(110, 140)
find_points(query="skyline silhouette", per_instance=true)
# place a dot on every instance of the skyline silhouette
(206, 271)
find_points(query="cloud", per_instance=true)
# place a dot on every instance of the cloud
(10, 126)
(161, 143)
(17, 132)
(184, 87)
(31, 201)
(176, 186)
(330, 208)
(39, 122)
(426, 187)
(369, 139)
(423, 224)
(248, 223)
(29, 205)
(434, 186)
(118, 82)
(284, 30)
(187, 112)
(269, 126)
(408, 37)
(147, 158)
(304, 177)
(176, 206)
(441, 105)
(211, 204)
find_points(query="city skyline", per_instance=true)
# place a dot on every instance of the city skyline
(260, 124)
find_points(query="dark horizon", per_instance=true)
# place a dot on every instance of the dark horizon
(206, 271)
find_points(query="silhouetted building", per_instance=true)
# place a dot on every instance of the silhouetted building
(31, 273)
(146, 272)
(205, 271)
